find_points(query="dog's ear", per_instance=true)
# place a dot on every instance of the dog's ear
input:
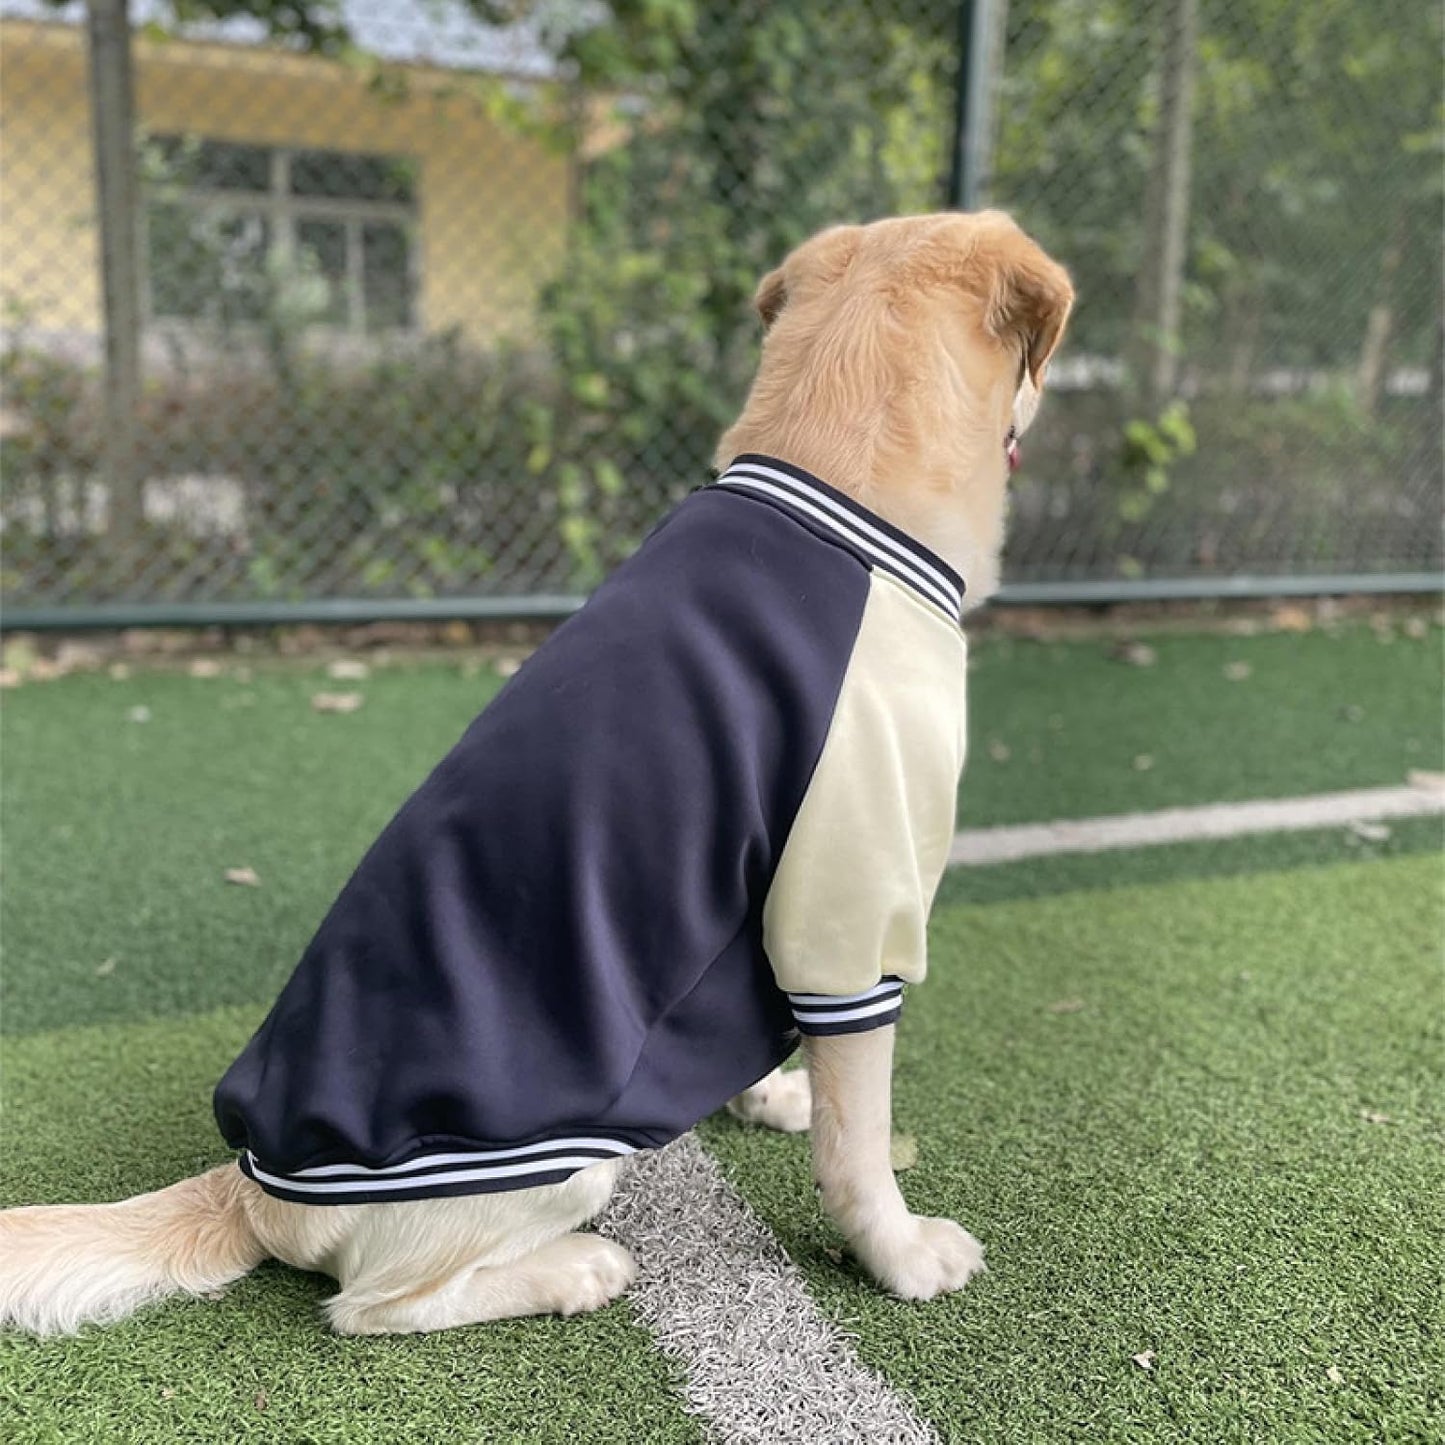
(770, 297)
(1028, 295)
(818, 262)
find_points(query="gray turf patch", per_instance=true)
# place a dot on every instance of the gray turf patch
(723, 1299)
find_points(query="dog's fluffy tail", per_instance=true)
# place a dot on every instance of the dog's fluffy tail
(62, 1266)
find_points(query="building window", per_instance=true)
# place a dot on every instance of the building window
(243, 233)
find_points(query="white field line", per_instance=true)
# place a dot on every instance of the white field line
(724, 1301)
(717, 1290)
(982, 846)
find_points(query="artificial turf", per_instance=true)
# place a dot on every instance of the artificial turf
(1200, 1119)
(115, 835)
(1179, 1163)
(1085, 733)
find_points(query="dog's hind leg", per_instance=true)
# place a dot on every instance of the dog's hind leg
(433, 1263)
(569, 1276)
(781, 1101)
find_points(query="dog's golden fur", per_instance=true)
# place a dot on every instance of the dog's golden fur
(897, 357)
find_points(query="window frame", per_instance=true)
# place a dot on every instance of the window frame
(283, 211)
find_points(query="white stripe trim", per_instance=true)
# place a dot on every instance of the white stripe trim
(843, 1016)
(836, 520)
(888, 988)
(806, 505)
(919, 575)
(983, 846)
(753, 469)
(568, 1162)
(477, 1156)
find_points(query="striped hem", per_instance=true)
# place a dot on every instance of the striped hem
(879, 542)
(434, 1176)
(852, 1013)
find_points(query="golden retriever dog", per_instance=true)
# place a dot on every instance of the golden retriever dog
(866, 474)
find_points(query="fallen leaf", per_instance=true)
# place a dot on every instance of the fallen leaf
(903, 1152)
(105, 969)
(1143, 762)
(1066, 1006)
(77, 656)
(140, 714)
(1334, 1376)
(19, 655)
(1292, 618)
(168, 1393)
(9, 677)
(1237, 671)
(348, 669)
(1373, 1116)
(999, 752)
(245, 877)
(835, 1255)
(1136, 654)
(1419, 778)
(261, 1401)
(337, 701)
(204, 667)
(1370, 832)
(1144, 1359)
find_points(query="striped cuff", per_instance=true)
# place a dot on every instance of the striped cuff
(854, 1013)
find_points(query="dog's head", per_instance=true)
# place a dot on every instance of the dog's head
(902, 360)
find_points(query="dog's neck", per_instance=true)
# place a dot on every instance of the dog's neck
(934, 465)
(961, 521)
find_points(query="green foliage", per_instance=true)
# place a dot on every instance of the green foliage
(1151, 448)
(330, 462)
(736, 129)
(1315, 126)
(751, 135)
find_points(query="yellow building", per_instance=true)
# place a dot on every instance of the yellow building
(355, 198)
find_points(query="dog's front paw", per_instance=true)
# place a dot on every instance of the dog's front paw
(926, 1257)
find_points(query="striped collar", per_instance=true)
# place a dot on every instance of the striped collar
(880, 543)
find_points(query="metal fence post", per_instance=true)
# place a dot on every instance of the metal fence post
(112, 107)
(980, 61)
(1159, 304)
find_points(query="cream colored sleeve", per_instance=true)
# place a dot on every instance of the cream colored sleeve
(846, 916)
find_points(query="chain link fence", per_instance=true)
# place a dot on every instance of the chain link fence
(438, 305)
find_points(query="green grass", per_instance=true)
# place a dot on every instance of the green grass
(1318, 712)
(115, 834)
(1223, 858)
(1178, 1165)
(103, 1112)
